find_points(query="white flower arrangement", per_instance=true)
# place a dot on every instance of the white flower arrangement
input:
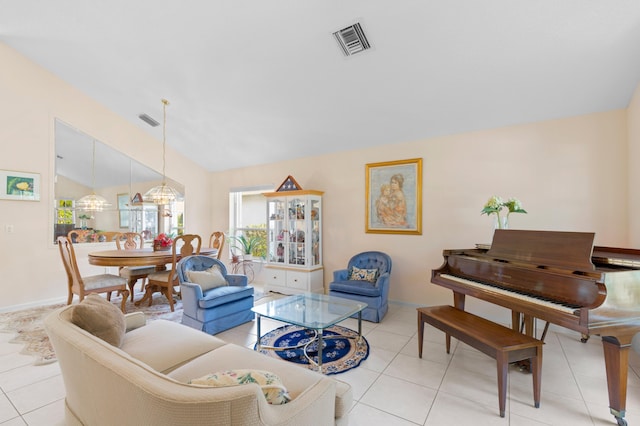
(495, 205)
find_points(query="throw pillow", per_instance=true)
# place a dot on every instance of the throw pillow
(271, 385)
(100, 318)
(358, 274)
(207, 279)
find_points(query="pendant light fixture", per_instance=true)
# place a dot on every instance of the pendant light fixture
(93, 202)
(162, 194)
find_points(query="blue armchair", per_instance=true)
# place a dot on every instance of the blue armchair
(369, 287)
(215, 309)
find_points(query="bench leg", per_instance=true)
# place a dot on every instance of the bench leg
(536, 371)
(502, 367)
(420, 333)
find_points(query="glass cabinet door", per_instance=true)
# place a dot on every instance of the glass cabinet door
(316, 232)
(277, 238)
(297, 231)
(144, 220)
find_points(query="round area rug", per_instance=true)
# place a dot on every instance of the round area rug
(338, 354)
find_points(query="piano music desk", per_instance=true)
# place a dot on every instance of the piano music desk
(501, 343)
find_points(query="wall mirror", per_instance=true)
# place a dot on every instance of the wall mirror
(114, 176)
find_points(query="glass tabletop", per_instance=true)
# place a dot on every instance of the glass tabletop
(310, 310)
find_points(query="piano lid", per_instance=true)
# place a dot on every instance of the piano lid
(566, 250)
(629, 258)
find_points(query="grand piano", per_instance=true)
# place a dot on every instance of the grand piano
(561, 278)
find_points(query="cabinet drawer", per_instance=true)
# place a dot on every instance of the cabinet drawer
(276, 277)
(297, 280)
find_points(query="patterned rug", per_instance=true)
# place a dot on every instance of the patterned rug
(27, 324)
(338, 354)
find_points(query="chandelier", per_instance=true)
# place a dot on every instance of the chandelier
(93, 202)
(163, 194)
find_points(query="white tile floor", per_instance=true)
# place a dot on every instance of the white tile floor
(393, 386)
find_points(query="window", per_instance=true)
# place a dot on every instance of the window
(247, 218)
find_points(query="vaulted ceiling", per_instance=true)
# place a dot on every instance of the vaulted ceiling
(253, 82)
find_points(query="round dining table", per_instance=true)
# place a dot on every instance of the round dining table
(139, 257)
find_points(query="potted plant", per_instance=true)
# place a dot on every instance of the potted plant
(246, 244)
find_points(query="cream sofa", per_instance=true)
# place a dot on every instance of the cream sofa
(145, 380)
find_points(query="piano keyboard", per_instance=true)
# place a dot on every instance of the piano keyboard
(516, 295)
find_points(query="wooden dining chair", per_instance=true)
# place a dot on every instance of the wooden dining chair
(216, 241)
(132, 241)
(83, 286)
(105, 236)
(77, 236)
(166, 281)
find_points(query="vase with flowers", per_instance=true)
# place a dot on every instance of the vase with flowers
(163, 242)
(495, 206)
(83, 220)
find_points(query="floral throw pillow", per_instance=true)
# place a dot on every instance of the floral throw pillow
(358, 274)
(271, 385)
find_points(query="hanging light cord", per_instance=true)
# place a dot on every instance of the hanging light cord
(93, 202)
(93, 168)
(164, 139)
(163, 194)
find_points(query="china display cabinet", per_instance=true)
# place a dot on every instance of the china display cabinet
(294, 242)
(143, 219)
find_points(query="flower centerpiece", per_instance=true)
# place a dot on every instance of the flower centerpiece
(83, 220)
(162, 242)
(495, 206)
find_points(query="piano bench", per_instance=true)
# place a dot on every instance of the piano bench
(501, 343)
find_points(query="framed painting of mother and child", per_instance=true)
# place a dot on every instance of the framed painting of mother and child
(394, 197)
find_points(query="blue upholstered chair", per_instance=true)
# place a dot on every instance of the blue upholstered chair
(365, 285)
(215, 309)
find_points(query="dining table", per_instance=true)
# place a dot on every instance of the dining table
(141, 257)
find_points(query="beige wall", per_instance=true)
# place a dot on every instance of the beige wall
(633, 118)
(30, 100)
(570, 174)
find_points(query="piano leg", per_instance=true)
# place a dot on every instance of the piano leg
(515, 321)
(528, 325)
(616, 358)
(458, 300)
(523, 323)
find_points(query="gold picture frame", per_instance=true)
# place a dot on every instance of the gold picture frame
(394, 197)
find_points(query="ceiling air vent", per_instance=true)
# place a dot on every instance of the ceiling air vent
(352, 40)
(150, 121)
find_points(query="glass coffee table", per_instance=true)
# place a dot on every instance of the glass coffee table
(312, 311)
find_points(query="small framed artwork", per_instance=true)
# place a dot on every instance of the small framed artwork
(394, 197)
(21, 186)
(123, 210)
